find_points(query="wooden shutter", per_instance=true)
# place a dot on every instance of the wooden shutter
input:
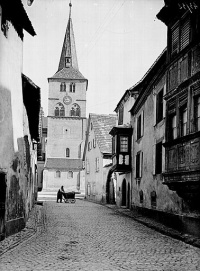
(175, 39)
(141, 164)
(121, 113)
(164, 102)
(185, 34)
(142, 123)
(154, 159)
(183, 68)
(137, 165)
(154, 109)
(136, 124)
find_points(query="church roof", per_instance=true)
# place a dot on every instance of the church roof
(102, 124)
(69, 48)
(68, 64)
(68, 73)
(64, 164)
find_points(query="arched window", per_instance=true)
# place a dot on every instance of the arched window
(70, 174)
(62, 87)
(59, 110)
(72, 87)
(75, 111)
(57, 174)
(67, 152)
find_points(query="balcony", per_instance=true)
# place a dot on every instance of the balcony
(121, 148)
(183, 166)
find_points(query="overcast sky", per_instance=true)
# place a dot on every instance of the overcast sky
(116, 43)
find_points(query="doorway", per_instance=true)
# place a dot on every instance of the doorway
(128, 197)
(124, 192)
(110, 189)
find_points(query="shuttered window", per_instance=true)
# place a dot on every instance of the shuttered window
(139, 161)
(180, 35)
(197, 113)
(159, 107)
(140, 125)
(158, 163)
(172, 127)
(185, 34)
(121, 115)
(173, 76)
(183, 68)
(183, 121)
(175, 39)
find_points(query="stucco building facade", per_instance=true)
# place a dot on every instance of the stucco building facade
(98, 156)
(18, 134)
(122, 178)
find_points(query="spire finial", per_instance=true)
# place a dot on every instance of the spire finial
(70, 7)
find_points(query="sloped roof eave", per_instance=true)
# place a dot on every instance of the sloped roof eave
(68, 73)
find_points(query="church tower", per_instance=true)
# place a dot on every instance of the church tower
(66, 120)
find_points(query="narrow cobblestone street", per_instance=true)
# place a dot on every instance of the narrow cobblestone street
(88, 236)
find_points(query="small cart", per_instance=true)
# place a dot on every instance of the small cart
(69, 197)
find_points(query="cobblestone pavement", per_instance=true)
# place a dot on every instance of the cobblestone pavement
(87, 236)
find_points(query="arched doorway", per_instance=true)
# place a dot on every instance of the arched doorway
(110, 189)
(128, 196)
(124, 192)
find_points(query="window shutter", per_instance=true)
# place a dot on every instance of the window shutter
(164, 102)
(142, 123)
(185, 34)
(175, 39)
(154, 159)
(141, 164)
(154, 109)
(136, 124)
(183, 69)
(135, 169)
(163, 159)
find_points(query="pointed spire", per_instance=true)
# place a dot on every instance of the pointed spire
(68, 56)
(70, 9)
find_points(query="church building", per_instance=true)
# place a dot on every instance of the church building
(66, 121)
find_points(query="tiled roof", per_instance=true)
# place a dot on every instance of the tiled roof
(102, 124)
(63, 163)
(68, 73)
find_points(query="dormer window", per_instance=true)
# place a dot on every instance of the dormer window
(67, 62)
(180, 35)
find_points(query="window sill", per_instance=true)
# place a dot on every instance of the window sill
(138, 179)
(160, 123)
(139, 139)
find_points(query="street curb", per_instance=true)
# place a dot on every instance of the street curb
(186, 238)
